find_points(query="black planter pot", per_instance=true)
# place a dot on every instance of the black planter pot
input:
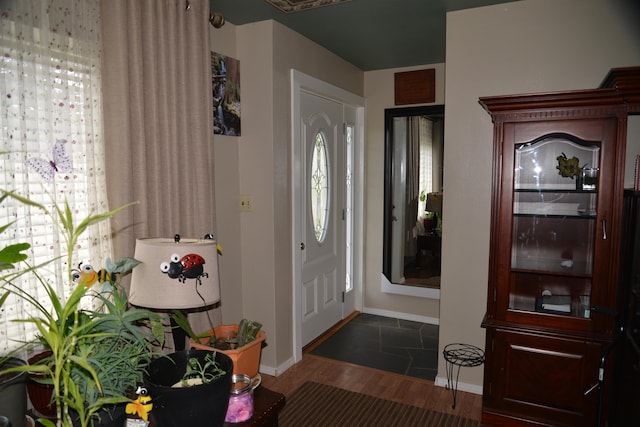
(13, 392)
(109, 416)
(201, 405)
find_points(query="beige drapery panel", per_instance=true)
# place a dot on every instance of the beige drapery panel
(158, 120)
(412, 186)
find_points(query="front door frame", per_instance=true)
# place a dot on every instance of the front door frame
(300, 83)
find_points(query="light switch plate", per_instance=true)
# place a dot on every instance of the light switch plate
(246, 203)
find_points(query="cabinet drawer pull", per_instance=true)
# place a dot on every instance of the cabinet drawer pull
(593, 387)
(604, 229)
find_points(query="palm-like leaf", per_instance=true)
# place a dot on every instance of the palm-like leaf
(96, 355)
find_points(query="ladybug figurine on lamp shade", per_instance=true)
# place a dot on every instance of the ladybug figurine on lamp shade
(190, 266)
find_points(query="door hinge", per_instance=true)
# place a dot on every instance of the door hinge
(343, 297)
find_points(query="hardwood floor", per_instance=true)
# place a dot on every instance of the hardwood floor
(399, 388)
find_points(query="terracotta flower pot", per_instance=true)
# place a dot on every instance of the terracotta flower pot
(246, 359)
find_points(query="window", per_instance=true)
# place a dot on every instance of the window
(319, 187)
(349, 203)
(51, 130)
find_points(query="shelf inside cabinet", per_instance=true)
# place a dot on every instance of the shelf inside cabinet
(524, 188)
(552, 266)
(555, 203)
(576, 312)
(550, 293)
(550, 209)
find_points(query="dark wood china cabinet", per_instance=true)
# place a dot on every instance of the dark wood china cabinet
(558, 178)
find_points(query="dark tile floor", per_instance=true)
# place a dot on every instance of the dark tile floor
(393, 345)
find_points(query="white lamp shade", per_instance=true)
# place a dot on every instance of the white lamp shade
(175, 275)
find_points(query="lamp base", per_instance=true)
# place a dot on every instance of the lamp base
(178, 334)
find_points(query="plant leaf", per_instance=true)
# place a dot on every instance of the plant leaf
(24, 200)
(12, 254)
(124, 265)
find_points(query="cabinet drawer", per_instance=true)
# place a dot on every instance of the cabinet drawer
(544, 377)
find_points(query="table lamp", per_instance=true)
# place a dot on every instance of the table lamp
(434, 204)
(175, 274)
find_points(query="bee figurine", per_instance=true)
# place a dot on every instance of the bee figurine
(87, 276)
(141, 406)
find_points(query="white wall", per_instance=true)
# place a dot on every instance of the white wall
(255, 268)
(520, 47)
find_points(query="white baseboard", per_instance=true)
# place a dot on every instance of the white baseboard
(403, 316)
(469, 388)
(277, 371)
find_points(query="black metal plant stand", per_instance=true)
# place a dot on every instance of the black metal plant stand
(460, 355)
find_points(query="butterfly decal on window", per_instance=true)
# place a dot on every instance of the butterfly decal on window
(47, 169)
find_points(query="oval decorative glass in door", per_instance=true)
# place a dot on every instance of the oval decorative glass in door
(319, 187)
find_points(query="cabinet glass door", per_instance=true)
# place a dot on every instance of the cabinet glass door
(554, 222)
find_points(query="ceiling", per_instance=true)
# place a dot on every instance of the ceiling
(370, 34)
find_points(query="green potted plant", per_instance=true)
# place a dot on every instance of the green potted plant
(89, 348)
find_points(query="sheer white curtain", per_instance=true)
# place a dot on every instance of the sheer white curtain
(51, 131)
(427, 158)
(159, 119)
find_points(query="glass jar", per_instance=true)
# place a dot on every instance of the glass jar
(240, 407)
(589, 178)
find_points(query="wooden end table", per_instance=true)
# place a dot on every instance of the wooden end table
(266, 405)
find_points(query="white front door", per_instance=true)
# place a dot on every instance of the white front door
(322, 194)
(328, 206)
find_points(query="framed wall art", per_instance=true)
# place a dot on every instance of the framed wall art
(225, 75)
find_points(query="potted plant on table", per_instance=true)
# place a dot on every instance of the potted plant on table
(189, 388)
(241, 342)
(97, 355)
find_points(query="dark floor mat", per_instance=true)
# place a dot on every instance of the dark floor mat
(393, 345)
